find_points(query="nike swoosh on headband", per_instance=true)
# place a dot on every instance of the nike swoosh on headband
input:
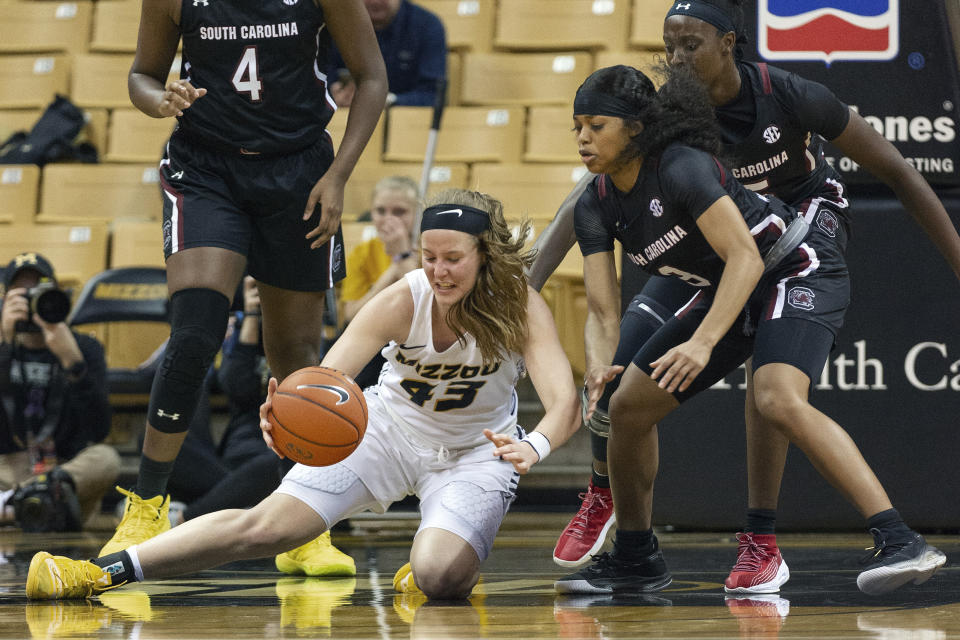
(459, 212)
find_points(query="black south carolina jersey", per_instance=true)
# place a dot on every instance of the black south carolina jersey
(772, 132)
(260, 63)
(656, 221)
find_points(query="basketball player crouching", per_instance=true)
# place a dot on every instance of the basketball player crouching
(460, 332)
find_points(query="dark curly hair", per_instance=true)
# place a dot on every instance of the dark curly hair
(679, 112)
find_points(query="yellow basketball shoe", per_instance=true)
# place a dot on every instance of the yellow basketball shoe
(66, 619)
(142, 520)
(403, 583)
(317, 558)
(403, 580)
(308, 603)
(59, 578)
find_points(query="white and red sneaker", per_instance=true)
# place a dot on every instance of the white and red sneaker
(760, 567)
(586, 533)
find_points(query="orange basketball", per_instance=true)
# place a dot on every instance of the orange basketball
(319, 416)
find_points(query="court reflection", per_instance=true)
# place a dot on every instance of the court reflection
(307, 604)
(759, 615)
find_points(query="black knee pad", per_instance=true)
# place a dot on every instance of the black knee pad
(598, 446)
(643, 317)
(198, 322)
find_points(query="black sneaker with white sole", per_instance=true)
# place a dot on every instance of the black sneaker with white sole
(609, 574)
(890, 566)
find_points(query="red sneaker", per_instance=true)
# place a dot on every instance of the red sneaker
(587, 532)
(760, 567)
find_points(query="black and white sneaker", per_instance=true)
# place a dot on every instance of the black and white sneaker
(608, 574)
(893, 565)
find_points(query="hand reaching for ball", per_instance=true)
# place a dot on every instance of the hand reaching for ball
(265, 408)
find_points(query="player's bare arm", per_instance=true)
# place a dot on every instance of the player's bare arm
(156, 47)
(350, 27)
(552, 377)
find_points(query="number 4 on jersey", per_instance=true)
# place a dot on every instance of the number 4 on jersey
(246, 78)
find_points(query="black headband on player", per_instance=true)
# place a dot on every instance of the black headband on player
(703, 11)
(597, 103)
(457, 217)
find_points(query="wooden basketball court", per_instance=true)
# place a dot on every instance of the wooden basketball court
(514, 600)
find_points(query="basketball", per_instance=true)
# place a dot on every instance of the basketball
(318, 415)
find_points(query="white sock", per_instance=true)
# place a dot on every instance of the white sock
(135, 559)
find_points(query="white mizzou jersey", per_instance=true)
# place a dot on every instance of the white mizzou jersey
(446, 398)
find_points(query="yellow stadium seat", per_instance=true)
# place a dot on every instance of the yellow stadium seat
(45, 27)
(527, 190)
(549, 135)
(29, 81)
(115, 26)
(95, 131)
(356, 196)
(76, 251)
(467, 134)
(19, 191)
(13, 120)
(523, 78)
(136, 243)
(646, 27)
(468, 23)
(99, 191)
(136, 137)
(374, 149)
(562, 24)
(100, 80)
(454, 78)
(646, 61)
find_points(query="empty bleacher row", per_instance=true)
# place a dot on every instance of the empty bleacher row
(513, 66)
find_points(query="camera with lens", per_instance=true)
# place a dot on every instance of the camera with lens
(48, 503)
(47, 301)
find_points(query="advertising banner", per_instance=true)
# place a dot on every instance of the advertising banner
(894, 63)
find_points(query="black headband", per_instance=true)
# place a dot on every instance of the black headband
(703, 11)
(458, 217)
(596, 103)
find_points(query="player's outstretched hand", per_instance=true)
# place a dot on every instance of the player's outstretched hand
(177, 96)
(265, 425)
(520, 454)
(327, 194)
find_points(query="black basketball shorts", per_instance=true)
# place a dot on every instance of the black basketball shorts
(792, 317)
(253, 205)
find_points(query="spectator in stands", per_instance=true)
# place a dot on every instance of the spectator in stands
(414, 47)
(250, 185)
(379, 262)
(54, 412)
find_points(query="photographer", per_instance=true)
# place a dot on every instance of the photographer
(54, 408)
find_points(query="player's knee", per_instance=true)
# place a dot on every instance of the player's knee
(777, 407)
(198, 322)
(628, 415)
(444, 581)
